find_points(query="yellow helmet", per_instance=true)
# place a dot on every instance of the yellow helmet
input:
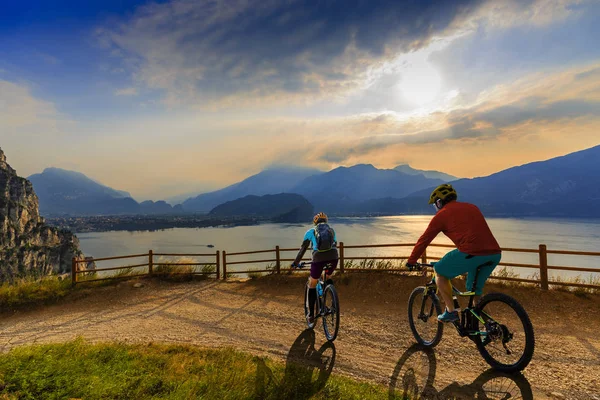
(320, 217)
(442, 192)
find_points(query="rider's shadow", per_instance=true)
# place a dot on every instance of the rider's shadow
(306, 370)
(414, 377)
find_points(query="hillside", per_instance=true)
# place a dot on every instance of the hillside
(63, 192)
(566, 186)
(284, 207)
(345, 188)
(269, 181)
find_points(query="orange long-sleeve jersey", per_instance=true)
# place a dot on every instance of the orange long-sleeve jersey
(465, 225)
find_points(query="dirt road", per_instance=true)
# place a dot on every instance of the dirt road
(264, 317)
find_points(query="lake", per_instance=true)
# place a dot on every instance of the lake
(557, 234)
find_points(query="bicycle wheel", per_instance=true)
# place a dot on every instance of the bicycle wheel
(306, 309)
(509, 341)
(423, 309)
(331, 313)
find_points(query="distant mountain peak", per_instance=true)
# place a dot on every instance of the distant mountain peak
(273, 180)
(64, 192)
(431, 174)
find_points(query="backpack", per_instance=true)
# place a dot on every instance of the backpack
(325, 237)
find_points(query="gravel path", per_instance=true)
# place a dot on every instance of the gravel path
(264, 317)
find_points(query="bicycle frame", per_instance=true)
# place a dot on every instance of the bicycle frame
(467, 323)
(320, 281)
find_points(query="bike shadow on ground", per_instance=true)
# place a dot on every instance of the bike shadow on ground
(306, 370)
(415, 372)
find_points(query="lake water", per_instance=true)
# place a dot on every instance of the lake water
(581, 235)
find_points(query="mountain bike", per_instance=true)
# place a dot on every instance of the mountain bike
(505, 340)
(328, 305)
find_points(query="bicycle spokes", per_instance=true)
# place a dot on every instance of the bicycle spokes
(503, 333)
(423, 317)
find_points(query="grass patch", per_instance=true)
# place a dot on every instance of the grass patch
(25, 292)
(376, 265)
(118, 371)
(170, 270)
(580, 291)
(252, 274)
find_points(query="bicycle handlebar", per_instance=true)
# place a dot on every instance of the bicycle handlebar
(301, 265)
(418, 266)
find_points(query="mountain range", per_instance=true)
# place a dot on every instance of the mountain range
(63, 192)
(339, 190)
(566, 186)
(269, 181)
(343, 189)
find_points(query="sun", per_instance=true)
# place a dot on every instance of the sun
(420, 83)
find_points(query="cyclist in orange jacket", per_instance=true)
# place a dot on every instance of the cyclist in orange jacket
(465, 225)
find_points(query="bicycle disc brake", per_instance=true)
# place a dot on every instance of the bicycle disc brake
(496, 331)
(507, 336)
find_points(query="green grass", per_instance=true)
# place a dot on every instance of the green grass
(118, 371)
(27, 292)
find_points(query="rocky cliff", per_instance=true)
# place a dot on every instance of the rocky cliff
(29, 247)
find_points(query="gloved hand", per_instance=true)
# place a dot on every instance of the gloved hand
(412, 267)
(294, 265)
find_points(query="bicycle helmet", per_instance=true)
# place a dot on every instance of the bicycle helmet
(442, 192)
(320, 217)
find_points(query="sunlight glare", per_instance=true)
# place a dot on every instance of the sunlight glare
(420, 83)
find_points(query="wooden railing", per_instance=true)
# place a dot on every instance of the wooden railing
(216, 256)
(274, 257)
(541, 251)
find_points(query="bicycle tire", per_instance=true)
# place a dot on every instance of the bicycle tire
(438, 309)
(330, 333)
(528, 351)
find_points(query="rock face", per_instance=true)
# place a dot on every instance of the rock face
(29, 247)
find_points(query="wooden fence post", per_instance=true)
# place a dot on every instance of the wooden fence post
(544, 267)
(224, 265)
(278, 262)
(73, 271)
(218, 266)
(150, 262)
(341, 257)
(424, 257)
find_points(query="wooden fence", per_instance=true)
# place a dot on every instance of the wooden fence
(150, 264)
(276, 260)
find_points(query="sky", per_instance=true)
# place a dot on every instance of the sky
(170, 97)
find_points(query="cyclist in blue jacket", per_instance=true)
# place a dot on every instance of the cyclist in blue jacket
(323, 241)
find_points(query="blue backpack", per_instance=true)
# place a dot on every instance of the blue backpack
(325, 237)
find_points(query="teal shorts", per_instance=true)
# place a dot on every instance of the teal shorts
(455, 263)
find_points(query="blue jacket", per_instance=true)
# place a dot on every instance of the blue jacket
(310, 240)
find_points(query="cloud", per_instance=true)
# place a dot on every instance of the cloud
(130, 91)
(20, 109)
(546, 99)
(228, 52)
(30, 129)
(211, 49)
